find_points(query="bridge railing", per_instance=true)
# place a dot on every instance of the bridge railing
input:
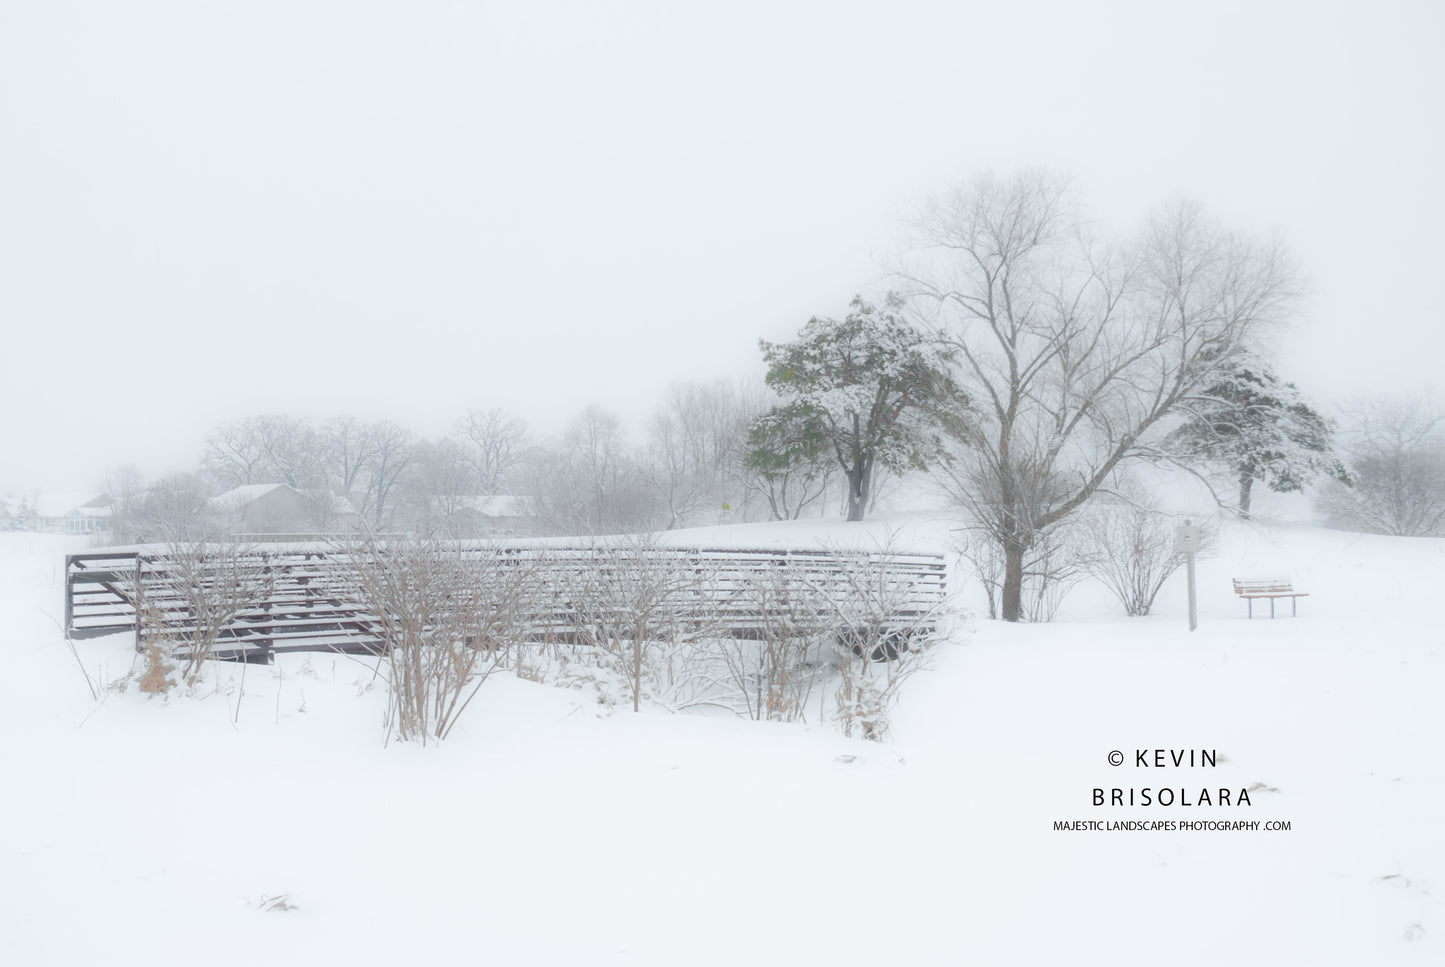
(310, 597)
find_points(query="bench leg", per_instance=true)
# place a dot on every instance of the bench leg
(1251, 608)
(1294, 607)
(1271, 609)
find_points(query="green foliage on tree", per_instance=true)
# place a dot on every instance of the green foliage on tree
(866, 391)
(1260, 428)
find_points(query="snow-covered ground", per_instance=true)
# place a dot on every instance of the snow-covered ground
(548, 830)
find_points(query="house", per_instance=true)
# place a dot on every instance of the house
(58, 513)
(281, 509)
(502, 516)
(76, 513)
(468, 516)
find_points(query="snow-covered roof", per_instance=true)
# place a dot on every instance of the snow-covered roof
(340, 505)
(240, 496)
(73, 504)
(500, 506)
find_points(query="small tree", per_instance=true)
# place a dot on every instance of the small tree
(860, 390)
(24, 516)
(1396, 451)
(1259, 428)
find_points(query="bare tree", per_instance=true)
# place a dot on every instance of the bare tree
(348, 453)
(1396, 454)
(393, 450)
(440, 488)
(497, 444)
(127, 487)
(696, 443)
(233, 457)
(589, 482)
(177, 508)
(678, 462)
(1073, 351)
(263, 449)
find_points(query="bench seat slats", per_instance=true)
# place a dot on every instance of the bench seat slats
(1271, 589)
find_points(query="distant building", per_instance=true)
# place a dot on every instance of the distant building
(501, 516)
(281, 509)
(76, 513)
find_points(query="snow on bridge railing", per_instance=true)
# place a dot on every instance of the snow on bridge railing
(305, 596)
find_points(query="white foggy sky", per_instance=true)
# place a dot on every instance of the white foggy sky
(211, 210)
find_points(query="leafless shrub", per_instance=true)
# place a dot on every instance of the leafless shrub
(1396, 454)
(446, 612)
(885, 627)
(1129, 546)
(1052, 566)
(773, 671)
(640, 621)
(190, 598)
(644, 611)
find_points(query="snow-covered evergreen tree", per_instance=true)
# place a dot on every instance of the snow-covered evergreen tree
(1260, 428)
(860, 391)
(24, 516)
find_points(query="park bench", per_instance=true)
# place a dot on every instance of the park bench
(1271, 588)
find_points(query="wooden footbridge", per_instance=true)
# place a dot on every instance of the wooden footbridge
(277, 598)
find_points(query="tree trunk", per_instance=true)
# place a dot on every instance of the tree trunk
(859, 478)
(1246, 483)
(1013, 582)
(857, 502)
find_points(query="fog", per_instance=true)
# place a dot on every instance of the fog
(209, 211)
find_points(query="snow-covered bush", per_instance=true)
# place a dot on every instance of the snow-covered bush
(1396, 454)
(188, 599)
(773, 672)
(1129, 546)
(447, 613)
(644, 614)
(883, 639)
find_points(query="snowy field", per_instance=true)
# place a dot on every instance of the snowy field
(261, 820)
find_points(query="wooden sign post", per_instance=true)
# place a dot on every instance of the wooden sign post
(1187, 539)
